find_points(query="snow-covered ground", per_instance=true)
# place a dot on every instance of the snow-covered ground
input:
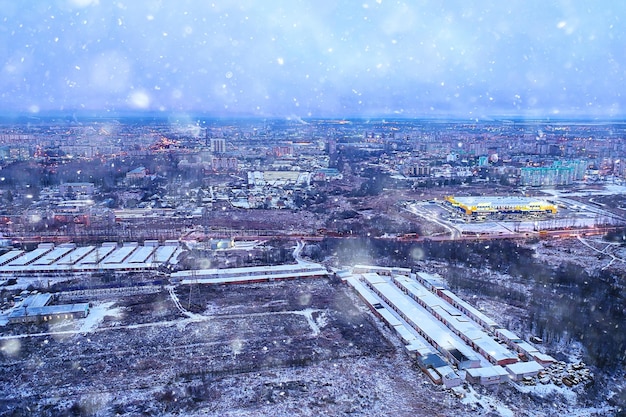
(606, 189)
(478, 402)
(157, 347)
(97, 313)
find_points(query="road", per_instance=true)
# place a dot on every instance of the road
(606, 251)
(421, 210)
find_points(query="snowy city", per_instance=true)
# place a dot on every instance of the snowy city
(312, 208)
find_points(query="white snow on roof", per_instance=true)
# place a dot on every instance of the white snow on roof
(75, 256)
(487, 372)
(163, 253)
(455, 319)
(365, 292)
(97, 255)
(417, 316)
(55, 255)
(119, 255)
(141, 255)
(478, 315)
(66, 259)
(524, 368)
(246, 271)
(29, 257)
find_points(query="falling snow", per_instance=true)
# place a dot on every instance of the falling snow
(402, 58)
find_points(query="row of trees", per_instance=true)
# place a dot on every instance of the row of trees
(566, 302)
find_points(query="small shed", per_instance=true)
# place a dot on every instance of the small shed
(487, 376)
(520, 370)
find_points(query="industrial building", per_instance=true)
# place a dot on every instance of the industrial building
(524, 348)
(68, 258)
(469, 331)
(487, 323)
(452, 348)
(491, 205)
(521, 370)
(249, 275)
(429, 359)
(442, 332)
(278, 178)
(487, 376)
(36, 309)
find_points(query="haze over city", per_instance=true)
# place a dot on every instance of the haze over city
(467, 59)
(292, 208)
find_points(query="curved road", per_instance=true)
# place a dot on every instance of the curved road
(434, 218)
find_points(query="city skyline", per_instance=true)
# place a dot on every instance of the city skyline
(298, 60)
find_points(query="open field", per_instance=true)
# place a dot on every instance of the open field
(300, 347)
(283, 349)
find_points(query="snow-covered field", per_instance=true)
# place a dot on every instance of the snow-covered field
(297, 348)
(97, 313)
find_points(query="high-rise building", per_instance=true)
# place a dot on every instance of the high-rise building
(418, 170)
(546, 176)
(218, 145)
(221, 164)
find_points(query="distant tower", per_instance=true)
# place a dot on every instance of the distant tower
(218, 145)
(331, 146)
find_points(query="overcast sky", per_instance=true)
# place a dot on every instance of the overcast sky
(316, 58)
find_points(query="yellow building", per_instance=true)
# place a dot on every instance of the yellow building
(485, 205)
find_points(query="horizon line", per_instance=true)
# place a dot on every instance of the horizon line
(156, 114)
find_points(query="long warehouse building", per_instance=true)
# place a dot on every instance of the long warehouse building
(448, 323)
(430, 361)
(247, 275)
(471, 333)
(67, 258)
(450, 346)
